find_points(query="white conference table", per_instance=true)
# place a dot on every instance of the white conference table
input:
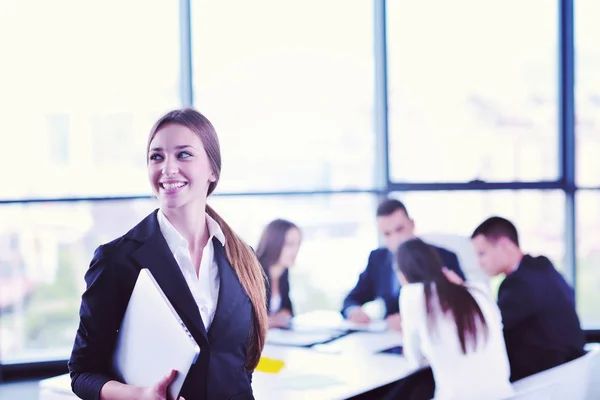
(331, 371)
(343, 368)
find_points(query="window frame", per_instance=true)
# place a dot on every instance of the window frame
(383, 185)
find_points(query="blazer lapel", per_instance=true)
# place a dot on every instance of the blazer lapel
(154, 254)
(230, 291)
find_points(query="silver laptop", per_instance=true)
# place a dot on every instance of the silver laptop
(152, 339)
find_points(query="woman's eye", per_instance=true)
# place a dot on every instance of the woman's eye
(155, 157)
(184, 154)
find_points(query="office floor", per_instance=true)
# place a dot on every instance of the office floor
(28, 390)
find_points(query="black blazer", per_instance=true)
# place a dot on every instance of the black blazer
(379, 280)
(541, 327)
(219, 372)
(284, 292)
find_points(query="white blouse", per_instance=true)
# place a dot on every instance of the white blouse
(205, 285)
(275, 303)
(482, 374)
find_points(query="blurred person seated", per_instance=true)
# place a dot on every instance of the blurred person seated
(277, 251)
(456, 328)
(541, 326)
(379, 280)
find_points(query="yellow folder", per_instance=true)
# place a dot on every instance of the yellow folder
(269, 365)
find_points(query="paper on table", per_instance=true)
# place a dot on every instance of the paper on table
(373, 326)
(57, 384)
(293, 338)
(307, 382)
(361, 343)
(319, 321)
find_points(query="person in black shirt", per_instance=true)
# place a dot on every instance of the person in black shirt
(541, 326)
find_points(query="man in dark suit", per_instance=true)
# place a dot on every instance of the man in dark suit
(541, 327)
(379, 280)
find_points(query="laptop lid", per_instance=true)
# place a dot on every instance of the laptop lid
(152, 339)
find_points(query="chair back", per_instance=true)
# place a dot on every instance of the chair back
(539, 392)
(462, 247)
(571, 380)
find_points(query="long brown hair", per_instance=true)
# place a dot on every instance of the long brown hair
(240, 255)
(272, 241)
(420, 262)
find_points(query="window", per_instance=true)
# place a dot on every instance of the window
(468, 98)
(112, 143)
(75, 72)
(538, 215)
(338, 233)
(58, 138)
(289, 88)
(588, 258)
(587, 93)
(45, 249)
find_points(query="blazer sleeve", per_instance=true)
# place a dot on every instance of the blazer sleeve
(103, 305)
(284, 285)
(364, 291)
(412, 309)
(517, 302)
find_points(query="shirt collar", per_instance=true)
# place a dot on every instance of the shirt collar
(175, 240)
(517, 265)
(214, 229)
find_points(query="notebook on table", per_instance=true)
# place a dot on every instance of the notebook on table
(152, 339)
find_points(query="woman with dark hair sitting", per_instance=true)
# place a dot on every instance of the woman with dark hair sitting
(456, 329)
(277, 251)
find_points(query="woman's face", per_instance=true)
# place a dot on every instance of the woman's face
(178, 167)
(290, 248)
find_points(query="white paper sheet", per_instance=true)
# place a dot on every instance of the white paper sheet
(307, 382)
(302, 338)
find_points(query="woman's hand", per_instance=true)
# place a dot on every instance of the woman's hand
(452, 276)
(114, 390)
(158, 391)
(358, 316)
(280, 319)
(394, 322)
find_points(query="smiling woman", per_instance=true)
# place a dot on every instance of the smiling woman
(179, 169)
(194, 256)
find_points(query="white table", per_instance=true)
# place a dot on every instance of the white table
(346, 367)
(361, 343)
(310, 374)
(56, 388)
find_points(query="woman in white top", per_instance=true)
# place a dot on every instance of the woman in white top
(277, 251)
(457, 329)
